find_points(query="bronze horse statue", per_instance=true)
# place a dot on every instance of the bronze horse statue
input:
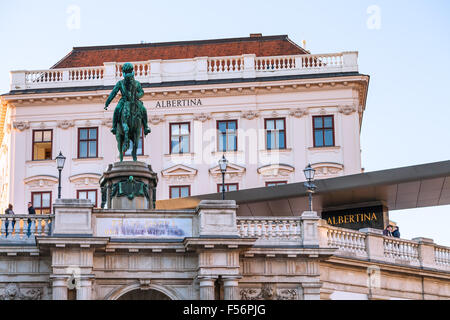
(130, 114)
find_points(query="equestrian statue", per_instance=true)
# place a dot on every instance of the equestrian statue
(130, 115)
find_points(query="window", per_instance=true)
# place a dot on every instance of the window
(227, 135)
(179, 137)
(323, 131)
(88, 194)
(42, 144)
(275, 183)
(228, 187)
(87, 142)
(42, 202)
(140, 148)
(180, 192)
(275, 134)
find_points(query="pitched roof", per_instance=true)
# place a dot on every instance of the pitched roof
(255, 44)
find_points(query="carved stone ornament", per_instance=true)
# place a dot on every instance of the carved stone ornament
(202, 117)
(250, 115)
(145, 284)
(328, 169)
(21, 125)
(347, 110)
(268, 292)
(13, 292)
(65, 124)
(107, 122)
(156, 119)
(298, 113)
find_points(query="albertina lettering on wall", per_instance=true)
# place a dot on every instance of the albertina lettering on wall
(178, 103)
(357, 218)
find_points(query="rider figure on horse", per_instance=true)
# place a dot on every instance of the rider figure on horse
(131, 91)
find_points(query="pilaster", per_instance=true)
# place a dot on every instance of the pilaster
(207, 287)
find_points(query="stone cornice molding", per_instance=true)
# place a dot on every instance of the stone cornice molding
(359, 82)
(324, 169)
(85, 179)
(41, 181)
(179, 173)
(276, 171)
(234, 171)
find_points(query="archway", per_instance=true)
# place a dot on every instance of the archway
(137, 291)
(140, 294)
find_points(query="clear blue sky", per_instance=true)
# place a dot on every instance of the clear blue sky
(407, 120)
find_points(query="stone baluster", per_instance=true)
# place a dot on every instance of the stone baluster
(39, 226)
(47, 227)
(16, 229)
(3, 227)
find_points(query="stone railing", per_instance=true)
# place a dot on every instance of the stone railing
(442, 256)
(401, 250)
(372, 245)
(200, 68)
(273, 229)
(347, 241)
(24, 227)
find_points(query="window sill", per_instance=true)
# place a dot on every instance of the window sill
(276, 150)
(43, 162)
(334, 148)
(86, 159)
(179, 155)
(239, 152)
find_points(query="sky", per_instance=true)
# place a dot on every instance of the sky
(403, 45)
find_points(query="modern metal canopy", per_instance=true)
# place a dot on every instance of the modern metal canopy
(401, 188)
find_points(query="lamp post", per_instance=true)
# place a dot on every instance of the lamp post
(223, 163)
(310, 186)
(60, 159)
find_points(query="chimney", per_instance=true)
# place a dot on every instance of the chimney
(255, 35)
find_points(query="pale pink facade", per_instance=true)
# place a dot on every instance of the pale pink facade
(295, 93)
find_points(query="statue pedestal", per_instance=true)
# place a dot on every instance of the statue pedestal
(129, 185)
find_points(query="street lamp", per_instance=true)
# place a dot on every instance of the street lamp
(310, 186)
(223, 164)
(60, 159)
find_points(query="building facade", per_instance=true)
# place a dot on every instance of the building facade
(271, 108)
(265, 103)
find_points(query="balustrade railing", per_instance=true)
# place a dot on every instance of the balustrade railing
(399, 249)
(270, 229)
(275, 63)
(225, 64)
(442, 256)
(141, 69)
(203, 68)
(347, 241)
(24, 227)
(43, 76)
(86, 74)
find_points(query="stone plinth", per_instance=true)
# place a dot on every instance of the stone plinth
(129, 185)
